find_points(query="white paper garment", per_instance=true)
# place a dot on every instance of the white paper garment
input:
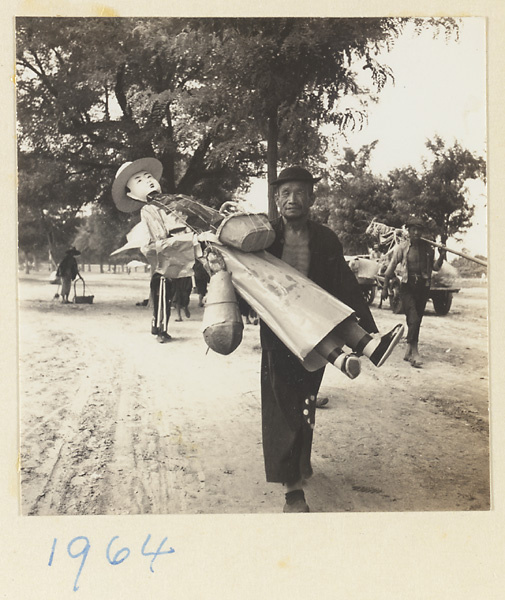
(175, 255)
(138, 236)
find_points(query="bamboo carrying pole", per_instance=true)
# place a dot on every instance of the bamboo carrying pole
(376, 228)
(462, 254)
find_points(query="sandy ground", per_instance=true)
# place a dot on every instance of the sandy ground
(111, 422)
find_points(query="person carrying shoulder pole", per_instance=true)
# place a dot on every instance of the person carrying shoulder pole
(415, 259)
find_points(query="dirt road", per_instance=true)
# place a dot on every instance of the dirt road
(111, 422)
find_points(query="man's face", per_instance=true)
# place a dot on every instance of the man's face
(141, 184)
(294, 199)
(414, 233)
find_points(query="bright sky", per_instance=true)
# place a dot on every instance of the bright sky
(440, 88)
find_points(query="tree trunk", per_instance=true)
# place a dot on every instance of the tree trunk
(49, 237)
(52, 262)
(168, 155)
(272, 153)
(196, 167)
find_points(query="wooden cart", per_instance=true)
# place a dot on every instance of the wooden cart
(440, 296)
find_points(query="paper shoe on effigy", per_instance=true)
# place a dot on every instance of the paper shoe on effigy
(349, 364)
(379, 349)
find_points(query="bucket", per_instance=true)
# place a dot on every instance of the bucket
(82, 299)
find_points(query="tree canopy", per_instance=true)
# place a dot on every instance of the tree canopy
(353, 196)
(215, 100)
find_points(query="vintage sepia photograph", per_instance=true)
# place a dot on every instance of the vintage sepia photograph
(252, 265)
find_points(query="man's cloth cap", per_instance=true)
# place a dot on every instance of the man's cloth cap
(295, 174)
(125, 171)
(415, 222)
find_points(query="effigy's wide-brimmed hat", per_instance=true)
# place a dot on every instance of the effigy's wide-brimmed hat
(125, 171)
(295, 174)
(414, 221)
(73, 251)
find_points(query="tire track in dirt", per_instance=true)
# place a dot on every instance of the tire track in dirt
(114, 423)
(150, 470)
(72, 483)
(435, 454)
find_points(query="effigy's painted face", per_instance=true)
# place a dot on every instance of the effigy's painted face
(294, 199)
(140, 185)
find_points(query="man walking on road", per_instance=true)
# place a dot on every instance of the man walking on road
(288, 390)
(415, 257)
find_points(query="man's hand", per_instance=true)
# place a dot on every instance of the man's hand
(214, 260)
(230, 208)
(442, 255)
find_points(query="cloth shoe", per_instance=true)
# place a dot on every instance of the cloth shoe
(295, 502)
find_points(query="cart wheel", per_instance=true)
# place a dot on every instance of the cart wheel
(394, 299)
(442, 302)
(369, 294)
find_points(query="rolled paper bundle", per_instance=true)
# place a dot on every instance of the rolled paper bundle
(222, 322)
(297, 310)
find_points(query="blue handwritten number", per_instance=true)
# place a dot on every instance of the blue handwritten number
(117, 560)
(83, 553)
(158, 551)
(52, 552)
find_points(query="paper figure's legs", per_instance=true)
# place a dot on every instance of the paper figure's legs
(349, 333)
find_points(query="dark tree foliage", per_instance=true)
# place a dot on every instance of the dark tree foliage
(445, 196)
(354, 198)
(292, 73)
(99, 234)
(213, 99)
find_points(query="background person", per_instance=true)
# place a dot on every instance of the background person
(68, 271)
(182, 287)
(415, 260)
(202, 279)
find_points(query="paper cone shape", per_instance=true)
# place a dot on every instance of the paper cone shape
(222, 323)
